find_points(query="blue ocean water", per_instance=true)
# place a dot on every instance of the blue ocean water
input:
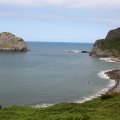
(48, 74)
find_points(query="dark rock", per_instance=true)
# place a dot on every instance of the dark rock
(0, 107)
(84, 51)
(114, 74)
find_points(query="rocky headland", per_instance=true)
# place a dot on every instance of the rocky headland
(108, 47)
(9, 42)
(114, 75)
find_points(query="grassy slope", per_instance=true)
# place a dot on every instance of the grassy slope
(96, 109)
(111, 45)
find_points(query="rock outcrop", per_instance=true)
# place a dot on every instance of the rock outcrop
(108, 47)
(9, 42)
(114, 74)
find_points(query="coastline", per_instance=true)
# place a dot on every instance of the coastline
(113, 86)
(114, 75)
(109, 59)
(109, 88)
(115, 59)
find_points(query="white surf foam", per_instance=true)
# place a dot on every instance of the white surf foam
(103, 75)
(107, 59)
(44, 105)
(103, 91)
(73, 51)
(85, 99)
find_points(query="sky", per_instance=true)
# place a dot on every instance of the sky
(81, 21)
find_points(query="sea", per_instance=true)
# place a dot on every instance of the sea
(52, 73)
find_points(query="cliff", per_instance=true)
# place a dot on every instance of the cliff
(108, 47)
(9, 42)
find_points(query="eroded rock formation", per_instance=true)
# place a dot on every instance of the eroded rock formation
(9, 42)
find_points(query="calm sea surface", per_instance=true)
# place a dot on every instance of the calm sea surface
(50, 74)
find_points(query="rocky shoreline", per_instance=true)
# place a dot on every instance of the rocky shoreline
(114, 75)
(108, 47)
(116, 59)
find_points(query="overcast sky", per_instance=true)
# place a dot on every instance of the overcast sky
(59, 20)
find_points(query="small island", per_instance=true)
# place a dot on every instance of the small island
(9, 42)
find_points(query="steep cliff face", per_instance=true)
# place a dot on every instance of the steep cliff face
(113, 34)
(108, 47)
(9, 42)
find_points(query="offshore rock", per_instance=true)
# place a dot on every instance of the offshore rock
(9, 42)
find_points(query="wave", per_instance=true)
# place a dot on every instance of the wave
(103, 75)
(73, 51)
(44, 105)
(107, 60)
(85, 99)
(103, 91)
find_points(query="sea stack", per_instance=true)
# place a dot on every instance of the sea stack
(108, 47)
(9, 42)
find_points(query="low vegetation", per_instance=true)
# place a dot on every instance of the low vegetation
(109, 95)
(97, 109)
(110, 45)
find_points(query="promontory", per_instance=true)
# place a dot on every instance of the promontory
(108, 47)
(9, 42)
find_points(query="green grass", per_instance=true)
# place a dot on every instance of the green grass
(97, 109)
(111, 45)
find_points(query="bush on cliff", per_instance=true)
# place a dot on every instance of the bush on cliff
(109, 95)
(110, 46)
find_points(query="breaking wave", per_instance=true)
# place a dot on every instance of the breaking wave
(107, 59)
(73, 51)
(44, 105)
(85, 99)
(103, 91)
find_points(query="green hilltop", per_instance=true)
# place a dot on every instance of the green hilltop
(108, 47)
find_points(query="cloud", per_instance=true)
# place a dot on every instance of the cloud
(106, 11)
(52, 17)
(63, 3)
(4, 14)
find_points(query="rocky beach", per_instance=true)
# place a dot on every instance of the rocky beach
(114, 75)
(109, 50)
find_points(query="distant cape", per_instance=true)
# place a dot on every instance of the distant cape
(9, 42)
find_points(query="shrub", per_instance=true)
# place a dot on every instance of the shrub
(109, 95)
(71, 117)
(85, 117)
(0, 107)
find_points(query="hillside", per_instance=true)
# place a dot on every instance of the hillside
(9, 42)
(108, 47)
(104, 108)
